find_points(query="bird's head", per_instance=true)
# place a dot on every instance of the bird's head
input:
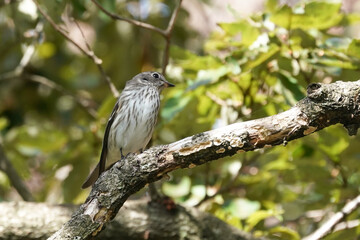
(154, 79)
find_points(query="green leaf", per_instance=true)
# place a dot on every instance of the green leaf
(248, 32)
(177, 190)
(316, 15)
(262, 57)
(32, 139)
(106, 107)
(284, 233)
(282, 17)
(290, 83)
(271, 5)
(189, 60)
(338, 63)
(350, 19)
(228, 218)
(354, 48)
(3, 123)
(242, 208)
(175, 105)
(333, 143)
(257, 217)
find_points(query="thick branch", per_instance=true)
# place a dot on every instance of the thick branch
(326, 104)
(136, 220)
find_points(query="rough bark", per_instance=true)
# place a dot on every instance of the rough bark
(325, 105)
(136, 220)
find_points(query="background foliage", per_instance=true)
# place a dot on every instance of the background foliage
(249, 68)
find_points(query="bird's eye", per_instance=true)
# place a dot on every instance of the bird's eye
(156, 75)
(145, 79)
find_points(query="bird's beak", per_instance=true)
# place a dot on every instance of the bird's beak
(167, 84)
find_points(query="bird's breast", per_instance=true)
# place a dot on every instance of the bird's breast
(134, 124)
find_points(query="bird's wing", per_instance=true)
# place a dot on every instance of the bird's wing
(104, 149)
(100, 167)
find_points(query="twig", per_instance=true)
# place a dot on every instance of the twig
(165, 33)
(347, 225)
(28, 53)
(25, 60)
(134, 22)
(168, 33)
(335, 219)
(88, 53)
(15, 179)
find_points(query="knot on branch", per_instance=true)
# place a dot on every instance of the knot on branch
(338, 101)
(312, 88)
(317, 92)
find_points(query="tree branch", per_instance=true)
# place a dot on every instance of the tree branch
(88, 52)
(148, 219)
(335, 219)
(165, 33)
(167, 36)
(18, 72)
(326, 104)
(28, 53)
(131, 21)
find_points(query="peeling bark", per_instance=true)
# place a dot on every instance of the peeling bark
(326, 104)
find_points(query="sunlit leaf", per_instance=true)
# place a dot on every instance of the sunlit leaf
(242, 208)
(32, 139)
(46, 50)
(284, 233)
(248, 32)
(262, 57)
(3, 123)
(175, 105)
(354, 48)
(258, 216)
(177, 190)
(316, 14)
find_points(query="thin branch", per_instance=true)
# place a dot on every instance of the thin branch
(347, 225)
(134, 22)
(168, 33)
(15, 179)
(165, 33)
(326, 228)
(326, 105)
(25, 60)
(88, 53)
(28, 54)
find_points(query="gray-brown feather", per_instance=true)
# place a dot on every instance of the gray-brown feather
(132, 121)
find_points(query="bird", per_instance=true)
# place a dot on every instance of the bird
(132, 121)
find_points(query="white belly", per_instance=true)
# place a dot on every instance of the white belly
(132, 134)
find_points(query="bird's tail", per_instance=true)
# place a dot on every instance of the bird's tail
(94, 175)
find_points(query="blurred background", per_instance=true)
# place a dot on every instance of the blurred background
(231, 61)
